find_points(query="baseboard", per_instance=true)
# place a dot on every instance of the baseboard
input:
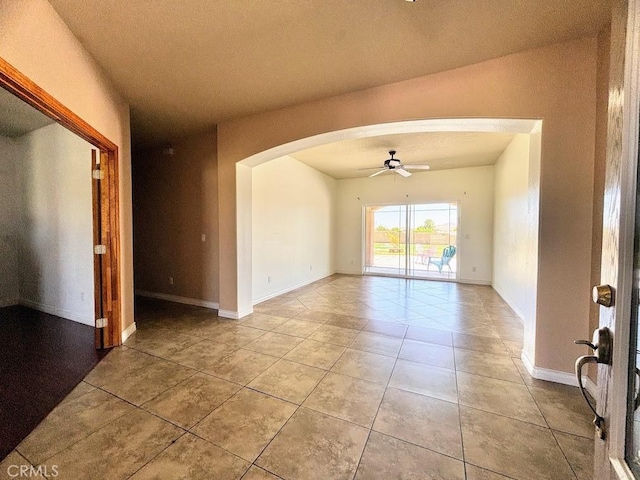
(557, 376)
(177, 299)
(58, 312)
(469, 282)
(349, 272)
(235, 315)
(515, 309)
(127, 332)
(291, 288)
(9, 303)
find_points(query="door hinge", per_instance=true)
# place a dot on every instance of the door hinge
(99, 249)
(98, 174)
(101, 322)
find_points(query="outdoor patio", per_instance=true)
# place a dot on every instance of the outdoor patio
(395, 265)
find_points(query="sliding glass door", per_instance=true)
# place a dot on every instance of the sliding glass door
(412, 240)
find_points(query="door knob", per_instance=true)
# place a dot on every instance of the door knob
(602, 295)
(601, 345)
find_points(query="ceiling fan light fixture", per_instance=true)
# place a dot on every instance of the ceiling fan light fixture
(393, 164)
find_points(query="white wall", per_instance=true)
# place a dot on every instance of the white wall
(510, 230)
(293, 236)
(55, 246)
(472, 188)
(9, 291)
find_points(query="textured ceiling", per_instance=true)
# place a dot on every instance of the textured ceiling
(438, 150)
(17, 117)
(186, 65)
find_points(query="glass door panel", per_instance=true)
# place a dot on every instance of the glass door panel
(386, 234)
(434, 241)
(633, 412)
(412, 240)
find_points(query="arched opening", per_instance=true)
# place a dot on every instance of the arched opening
(520, 294)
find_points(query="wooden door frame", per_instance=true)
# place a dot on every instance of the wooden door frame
(107, 290)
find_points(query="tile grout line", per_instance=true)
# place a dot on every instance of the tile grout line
(378, 409)
(326, 372)
(158, 454)
(564, 455)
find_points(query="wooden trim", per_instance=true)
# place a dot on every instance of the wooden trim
(25, 89)
(111, 229)
(97, 239)
(107, 291)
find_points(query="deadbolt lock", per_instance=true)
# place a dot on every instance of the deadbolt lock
(603, 295)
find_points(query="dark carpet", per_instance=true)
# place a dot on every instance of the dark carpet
(42, 358)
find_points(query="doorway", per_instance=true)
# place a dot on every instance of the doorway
(412, 240)
(47, 276)
(106, 224)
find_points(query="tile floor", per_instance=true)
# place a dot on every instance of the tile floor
(350, 377)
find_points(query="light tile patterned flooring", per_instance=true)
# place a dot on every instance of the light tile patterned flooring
(350, 377)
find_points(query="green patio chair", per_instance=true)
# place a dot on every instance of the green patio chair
(447, 254)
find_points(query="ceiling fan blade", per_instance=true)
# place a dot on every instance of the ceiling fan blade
(378, 173)
(417, 167)
(369, 168)
(403, 172)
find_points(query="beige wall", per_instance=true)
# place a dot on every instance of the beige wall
(9, 221)
(510, 228)
(34, 39)
(55, 240)
(175, 203)
(293, 227)
(556, 84)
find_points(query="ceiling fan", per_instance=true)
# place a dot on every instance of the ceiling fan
(395, 165)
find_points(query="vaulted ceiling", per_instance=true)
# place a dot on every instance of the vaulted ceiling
(186, 65)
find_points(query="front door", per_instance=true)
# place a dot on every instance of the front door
(617, 447)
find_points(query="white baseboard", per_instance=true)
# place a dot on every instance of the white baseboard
(515, 309)
(232, 314)
(349, 272)
(557, 376)
(291, 288)
(178, 299)
(58, 312)
(9, 303)
(127, 332)
(470, 282)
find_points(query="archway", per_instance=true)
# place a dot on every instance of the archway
(531, 127)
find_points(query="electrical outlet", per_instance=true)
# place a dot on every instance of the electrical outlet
(268, 279)
(311, 268)
(473, 269)
(204, 237)
(170, 280)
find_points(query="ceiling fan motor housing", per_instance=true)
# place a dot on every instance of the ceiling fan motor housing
(392, 163)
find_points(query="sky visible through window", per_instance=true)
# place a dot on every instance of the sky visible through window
(394, 216)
